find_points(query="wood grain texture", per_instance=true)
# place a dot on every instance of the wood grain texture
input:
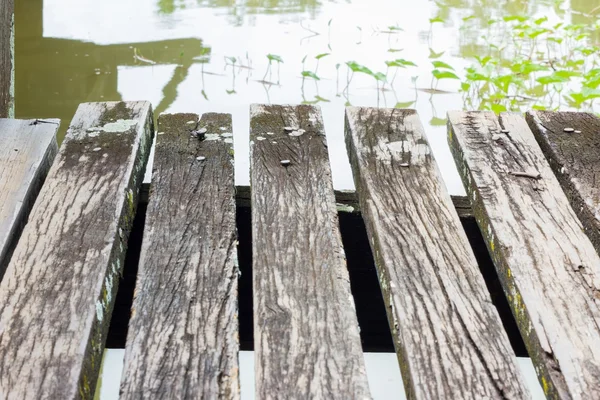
(447, 333)
(547, 265)
(7, 59)
(182, 341)
(306, 337)
(575, 159)
(27, 151)
(57, 294)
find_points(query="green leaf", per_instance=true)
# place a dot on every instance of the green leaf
(444, 74)
(356, 67)
(435, 19)
(539, 107)
(518, 18)
(555, 40)
(528, 68)
(483, 60)
(310, 74)
(498, 108)
(404, 104)
(274, 57)
(319, 56)
(473, 75)
(433, 54)
(304, 58)
(540, 21)
(546, 80)
(395, 28)
(567, 74)
(441, 64)
(468, 18)
(400, 63)
(394, 50)
(231, 59)
(537, 32)
(380, 76)
(435, 121)
(465, 86)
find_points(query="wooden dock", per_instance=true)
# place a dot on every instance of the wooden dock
(66, 218)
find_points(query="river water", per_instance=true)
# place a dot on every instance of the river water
(222, 55)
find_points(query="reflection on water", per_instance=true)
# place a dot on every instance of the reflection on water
(222, 55)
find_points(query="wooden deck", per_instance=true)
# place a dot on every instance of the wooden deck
(302, 251)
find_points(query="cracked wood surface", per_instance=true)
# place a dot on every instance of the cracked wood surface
(548, 267)
(306, 336)
(57, 294)
(182, 341)
(7, 59)
(575, 160)
(27, 151)
(447, 333)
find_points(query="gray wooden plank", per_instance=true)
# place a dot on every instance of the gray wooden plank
(575, 160)
(182, 340)
(57, 295)
(306, 336)
(7, 58)
(447, 333)
(547, 265)
(27, 151)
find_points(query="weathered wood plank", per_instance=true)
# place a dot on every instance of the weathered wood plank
(548, 267)
(27, 151)
(182, 340)
(306, 337)
(57, 294)
(575, 159)
(7, 59)
(447, 333)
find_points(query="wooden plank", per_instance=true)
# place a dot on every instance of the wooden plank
(27, 151)
(57, 294)
(182, 340)
(447, 333)
(575, 160)
(306, 337)
(7, 59)
(547, 266)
